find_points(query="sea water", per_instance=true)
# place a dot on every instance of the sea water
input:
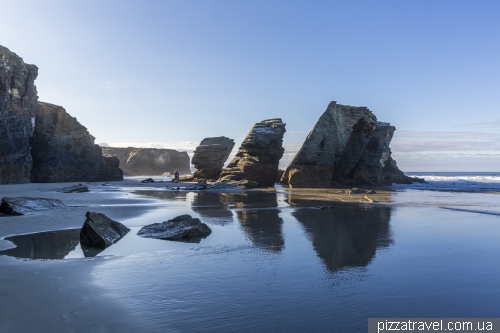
(271, 264)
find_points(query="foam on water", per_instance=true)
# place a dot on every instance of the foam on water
(457, 182)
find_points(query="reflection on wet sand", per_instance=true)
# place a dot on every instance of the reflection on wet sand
(44, 245)
(262, 224)
(213, 206)
(347, 235)
(166, 195)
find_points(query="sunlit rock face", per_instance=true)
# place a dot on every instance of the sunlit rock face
(18, 98)
(210, 156)
(256, 163)
(347, 146)
(63, 150)
(150, 161)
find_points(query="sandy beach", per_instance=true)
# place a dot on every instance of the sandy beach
(257, 242)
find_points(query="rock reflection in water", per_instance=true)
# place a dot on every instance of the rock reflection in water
(163, 194)
(262, 224)
(44, 245)
(213, 206)
(347, 235)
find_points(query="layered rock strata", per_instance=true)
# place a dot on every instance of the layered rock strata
(256, 163)
(40, 141)
(347, 146)
(210, 156)
(64, 151)
(18, 98)
(150, 161)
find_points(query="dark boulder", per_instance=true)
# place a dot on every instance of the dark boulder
(180, 227)
(23, 205)
(100, 231)
(74, 189)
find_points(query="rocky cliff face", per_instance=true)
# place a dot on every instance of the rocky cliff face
(347, 146)
(63, 150)
(150, 161)
(18, 98)
(210, 156)
(40, 141)
(256, 163)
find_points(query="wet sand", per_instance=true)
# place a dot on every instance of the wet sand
(125, 293)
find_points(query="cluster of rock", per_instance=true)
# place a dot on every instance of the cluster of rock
(256, 163)
(41, 142)
(150, 161)
(347, 146)
(210, 156)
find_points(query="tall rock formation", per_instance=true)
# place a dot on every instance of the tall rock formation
(347, 146)
(150, 161)
(256, 163)
(18, 98)
(63, 150)
(40, 141)
(210, 156)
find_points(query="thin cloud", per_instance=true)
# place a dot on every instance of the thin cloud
(485, 124)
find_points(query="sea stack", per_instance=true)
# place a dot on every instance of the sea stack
(256, 163)
(347, 146)
(210, 156)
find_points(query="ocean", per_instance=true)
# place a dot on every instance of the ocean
(456, 181)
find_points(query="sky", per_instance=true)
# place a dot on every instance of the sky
(170, 73)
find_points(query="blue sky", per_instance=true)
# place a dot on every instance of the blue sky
(170, 73)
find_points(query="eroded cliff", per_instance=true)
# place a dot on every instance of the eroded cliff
(150, 161)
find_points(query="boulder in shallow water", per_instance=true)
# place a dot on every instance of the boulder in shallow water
(74, 189)
(22, 205)
(180, 227)
(100, 231)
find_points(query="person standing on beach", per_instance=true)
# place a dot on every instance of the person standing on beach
(176, 176)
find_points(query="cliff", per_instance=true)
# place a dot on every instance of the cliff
(63, 150)
(347, 146)
(150, 161)
(18, 98)
(40, 141)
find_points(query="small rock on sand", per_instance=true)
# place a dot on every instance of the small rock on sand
(22, 205)
(100, 231)
(180, 227)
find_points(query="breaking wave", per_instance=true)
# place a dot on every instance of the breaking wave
(456, 182)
